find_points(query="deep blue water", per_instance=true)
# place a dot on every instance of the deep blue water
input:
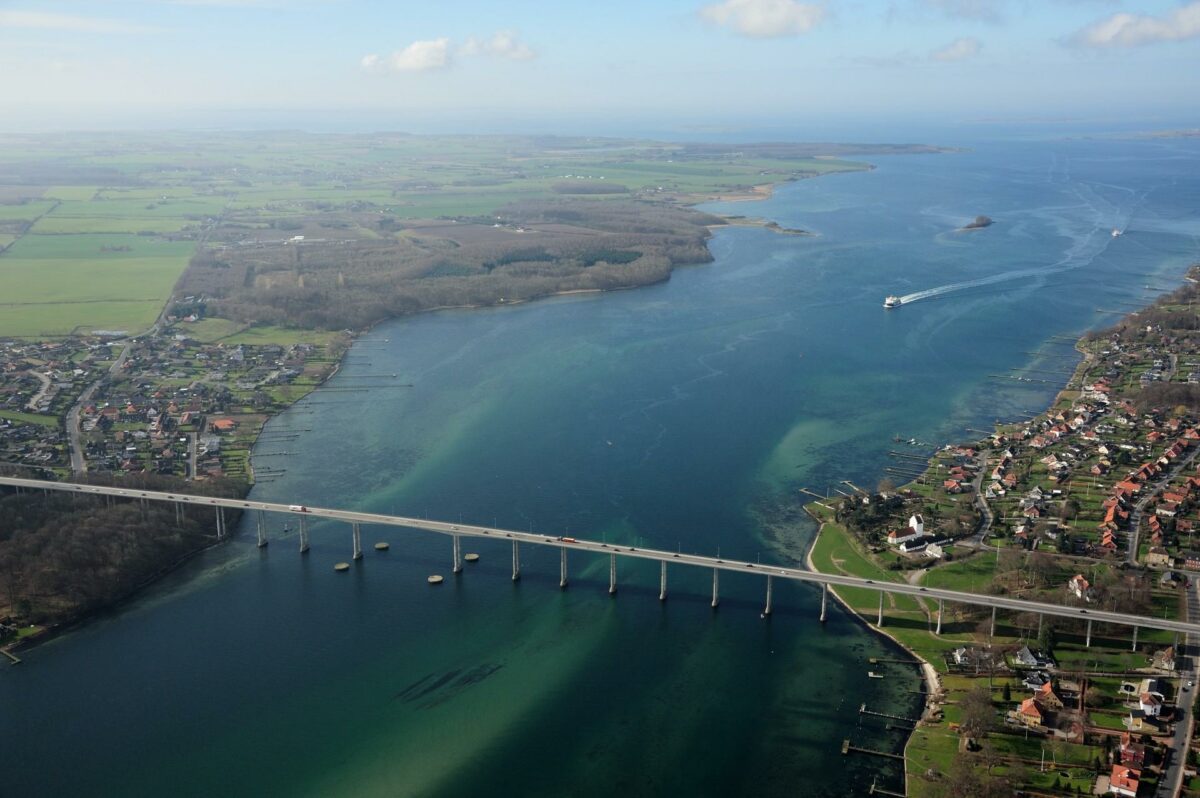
(666, 415)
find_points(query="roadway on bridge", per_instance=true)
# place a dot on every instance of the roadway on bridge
(696, 560)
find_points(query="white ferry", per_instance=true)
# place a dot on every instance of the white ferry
(1117, 233)
(892, 302)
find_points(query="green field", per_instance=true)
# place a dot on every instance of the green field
(106, 251)
(82, 193)
(59, 223)
(58, 285)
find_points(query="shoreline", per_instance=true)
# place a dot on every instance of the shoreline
(929, 675)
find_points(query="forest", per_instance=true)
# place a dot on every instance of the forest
(526, 250)
(63, 556)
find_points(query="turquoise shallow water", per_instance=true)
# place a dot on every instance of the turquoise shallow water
(660, 416)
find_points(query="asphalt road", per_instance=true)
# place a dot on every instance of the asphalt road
(697, 560)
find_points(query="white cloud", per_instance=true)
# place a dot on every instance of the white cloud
(765, 18)
(1133, 30)
(958, 50)
(502, 44)
(49, 21)
(420, 56)
(983, 10)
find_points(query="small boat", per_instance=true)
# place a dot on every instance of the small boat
(471, 557)
(1117, 233)
(874, 675)
(381, 546)
(891, 302)
(435, 579)
(342, 567)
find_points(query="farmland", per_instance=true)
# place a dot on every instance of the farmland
(97, 230)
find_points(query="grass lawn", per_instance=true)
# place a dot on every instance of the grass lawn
(30, 418)
(208, 330)
(970, 574)
(282, 336)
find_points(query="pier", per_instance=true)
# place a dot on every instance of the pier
(850, 748)
(862, 710)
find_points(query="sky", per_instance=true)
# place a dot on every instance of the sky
(483, 64)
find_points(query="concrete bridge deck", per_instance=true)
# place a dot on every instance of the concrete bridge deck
(715, 564)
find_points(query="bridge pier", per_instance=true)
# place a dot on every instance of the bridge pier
(357, 532)
(220, 523)
(516, 561)
(303, 534)
(562, 567)
(612, 574)
(941, 610)
(824, 603)
(770, 587)
(178, 513)
(993, 632)
(261, 528)
(1041, 620)
(662, 582)
(716, 599)
(456, 567)
(1135, 630)
(880, 621)
(1087, 643)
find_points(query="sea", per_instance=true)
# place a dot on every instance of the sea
(681, 416)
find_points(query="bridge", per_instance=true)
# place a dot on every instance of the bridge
(769, 573)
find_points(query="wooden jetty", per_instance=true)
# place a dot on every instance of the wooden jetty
(862, 710)
(850, 748)
(908, 456)
(876, 790)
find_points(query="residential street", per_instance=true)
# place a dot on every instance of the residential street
(1172, 779)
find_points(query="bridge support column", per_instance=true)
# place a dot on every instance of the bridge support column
(993, 632)
(562, 567)
(1087, 643)
(303, 535)
(178, 513)
(880, 621)
(770, 589)
(662, 581)
(1041, 620)
(357, 532)
(612, 574)
(824, 603)
(457, 566)
(261, 528)
(941, 611)
(220, 523)
(716, 599)
(516, 561)
(1135, 630)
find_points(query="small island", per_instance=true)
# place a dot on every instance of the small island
(979, 223)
